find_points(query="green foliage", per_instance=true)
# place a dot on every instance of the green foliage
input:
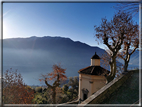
(44, 89)
(39, 99)
(65, 88)
(66, 94)
(43, 97)
(64, 98)
(72, 92)
(73, 82)
(38, 89)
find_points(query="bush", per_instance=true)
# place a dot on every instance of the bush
(44, 89)
(15, 91)
(65, 88)
(38, 89)
(39, 99)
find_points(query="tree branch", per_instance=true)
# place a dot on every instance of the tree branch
(113, 39)
(56, 83)
(133, 51)
(47, 84)
(121, 56)
(106, 42)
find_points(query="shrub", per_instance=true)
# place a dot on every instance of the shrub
(38, 89)
(14, 90)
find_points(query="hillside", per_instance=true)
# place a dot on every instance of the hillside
(37, 55)
(128, 93)
(44, 43)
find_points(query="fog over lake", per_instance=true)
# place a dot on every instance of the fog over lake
(36, 55)
(32, 63)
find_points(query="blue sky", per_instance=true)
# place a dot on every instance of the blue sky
(72, 20)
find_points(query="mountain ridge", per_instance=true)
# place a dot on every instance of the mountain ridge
(31, 42)
(37, 55)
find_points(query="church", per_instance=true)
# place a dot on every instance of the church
(91, 78)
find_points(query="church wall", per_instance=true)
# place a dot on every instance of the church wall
(106, 91)
(98, 84)
(80, 86)
(91, 83)
(84, 83)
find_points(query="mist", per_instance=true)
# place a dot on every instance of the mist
(36, 55)
(32, 63)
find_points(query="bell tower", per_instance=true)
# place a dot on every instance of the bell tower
(95, 60)
(91, 78)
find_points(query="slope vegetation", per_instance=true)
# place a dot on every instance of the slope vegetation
(128, 93)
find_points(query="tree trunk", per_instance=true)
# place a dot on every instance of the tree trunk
(125, 66)
(110, 78)
(54, 95)
(112, 69)
(126, 62)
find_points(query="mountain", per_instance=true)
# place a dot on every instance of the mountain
(55, 49)
(43, 43)
(134, 60)
(36, 55)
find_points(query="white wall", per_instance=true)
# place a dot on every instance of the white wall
(98, 83)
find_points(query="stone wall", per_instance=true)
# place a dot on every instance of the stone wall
(107, 90)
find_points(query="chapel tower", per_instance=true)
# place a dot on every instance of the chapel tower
(91, 78)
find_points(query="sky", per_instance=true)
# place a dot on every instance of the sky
(72, 20)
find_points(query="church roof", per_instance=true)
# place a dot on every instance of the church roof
(95, 56)
(94, 70)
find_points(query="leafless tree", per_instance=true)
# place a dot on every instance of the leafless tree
(131, 8)
(113, 34)
(57, 76)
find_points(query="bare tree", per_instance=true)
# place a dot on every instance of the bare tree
(131, 43)
(113, 34)
(57, 76)
(106, 58)
(130, 46)
(131, 8)
(14, 89)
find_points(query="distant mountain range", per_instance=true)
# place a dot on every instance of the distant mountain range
(44, 43)
(35, 55)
